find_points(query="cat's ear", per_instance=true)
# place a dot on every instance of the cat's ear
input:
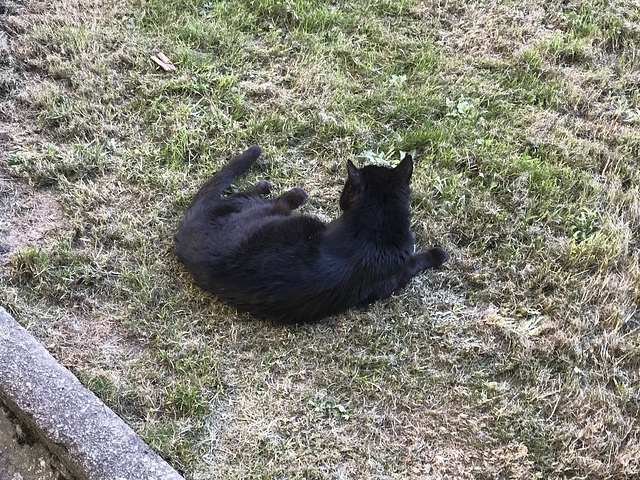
(405, 168)
(354, 174)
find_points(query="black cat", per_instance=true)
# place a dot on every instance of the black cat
(255, 254)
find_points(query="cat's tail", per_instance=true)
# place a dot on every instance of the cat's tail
(213, 188)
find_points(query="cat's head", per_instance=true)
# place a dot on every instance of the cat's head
(374, 182)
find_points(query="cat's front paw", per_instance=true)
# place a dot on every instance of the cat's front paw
(432, 258)
(438, 256)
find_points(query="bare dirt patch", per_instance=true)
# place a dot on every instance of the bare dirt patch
(27, 218)
(22, 456)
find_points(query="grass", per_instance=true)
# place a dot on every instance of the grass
(519, 359)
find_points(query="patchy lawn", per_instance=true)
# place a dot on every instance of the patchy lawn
(519, 359)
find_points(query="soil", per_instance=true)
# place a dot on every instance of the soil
(22, 456)
(26, 218)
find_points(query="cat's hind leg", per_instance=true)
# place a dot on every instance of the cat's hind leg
(290, 200)
(262, 188)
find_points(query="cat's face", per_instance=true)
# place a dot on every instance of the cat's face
(372, 181)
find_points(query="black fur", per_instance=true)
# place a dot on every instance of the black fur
(258, 256)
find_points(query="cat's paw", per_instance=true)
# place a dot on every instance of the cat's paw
(293, 198)
(262, 187)
(421, 261)
(438, 256)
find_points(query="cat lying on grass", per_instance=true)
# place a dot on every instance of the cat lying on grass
(257, 255)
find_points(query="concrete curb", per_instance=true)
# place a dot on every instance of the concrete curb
(90, 440)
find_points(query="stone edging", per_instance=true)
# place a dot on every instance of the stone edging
(89, 438)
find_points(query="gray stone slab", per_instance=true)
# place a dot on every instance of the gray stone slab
(90, 440)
